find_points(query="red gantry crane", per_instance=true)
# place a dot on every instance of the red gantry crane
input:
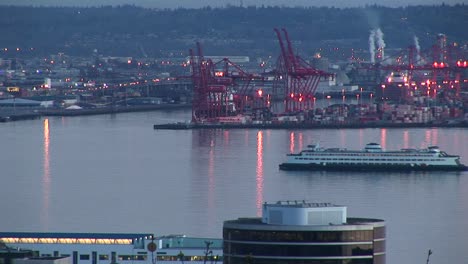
(220, 89)
(210, 95)
(298, 79)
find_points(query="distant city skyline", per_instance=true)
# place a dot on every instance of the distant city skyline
(221, 3)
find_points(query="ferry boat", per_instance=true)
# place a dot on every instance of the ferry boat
(373, 157)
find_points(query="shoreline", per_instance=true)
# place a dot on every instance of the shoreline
(10, 115)
(110, 110)
(186, 126)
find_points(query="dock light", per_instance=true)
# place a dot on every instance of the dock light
(462, 64)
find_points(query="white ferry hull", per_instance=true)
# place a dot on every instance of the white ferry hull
(370, 167)
(373, 158)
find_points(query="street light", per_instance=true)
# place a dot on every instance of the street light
(360, 93)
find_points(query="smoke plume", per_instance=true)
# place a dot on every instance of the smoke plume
(376, 43)
(372, 46)
(380, 42)
(418, 49)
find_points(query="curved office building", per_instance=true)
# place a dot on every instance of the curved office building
(301, 232)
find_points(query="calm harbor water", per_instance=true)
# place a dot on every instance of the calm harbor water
(114, 173)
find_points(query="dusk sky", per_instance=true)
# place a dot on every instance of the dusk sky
(218, 3)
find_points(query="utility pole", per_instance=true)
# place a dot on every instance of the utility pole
(208, 251)
(429, 253)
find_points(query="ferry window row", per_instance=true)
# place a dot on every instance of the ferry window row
(299, 236)
(370, 159)
(379, 154)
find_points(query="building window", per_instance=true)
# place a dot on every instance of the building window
(103, 257)
(84, 257)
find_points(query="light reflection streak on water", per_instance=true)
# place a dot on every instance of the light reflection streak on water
(383, 138)
(434, 141)
(427, 139)
(46, 177)
(291, 142)
(405, 139)
(226, 138)
(300, 143)
(259, 177)
(211, 177)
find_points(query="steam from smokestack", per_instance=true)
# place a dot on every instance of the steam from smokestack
(372, 46)
(418, 49)
(380, 42)
(376, 42)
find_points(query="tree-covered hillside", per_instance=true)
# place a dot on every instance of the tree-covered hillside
(134, 31)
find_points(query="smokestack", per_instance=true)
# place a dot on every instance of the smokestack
(380, 44)
(372, 46)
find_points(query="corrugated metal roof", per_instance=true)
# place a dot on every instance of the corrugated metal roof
(19, 102)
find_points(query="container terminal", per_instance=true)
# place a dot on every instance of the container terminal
(414, 93)
(394, 88)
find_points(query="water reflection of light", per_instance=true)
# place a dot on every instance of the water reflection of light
(405, 139)
(291, 142)
(427, 139)
(259, 177)
(300, 143)
(226, 137)
(46, 177)
(430, 138)
(211, 183)
(383, 138)
(211, 178)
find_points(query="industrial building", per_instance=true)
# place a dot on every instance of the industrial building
(112, 248)
(303, 232)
